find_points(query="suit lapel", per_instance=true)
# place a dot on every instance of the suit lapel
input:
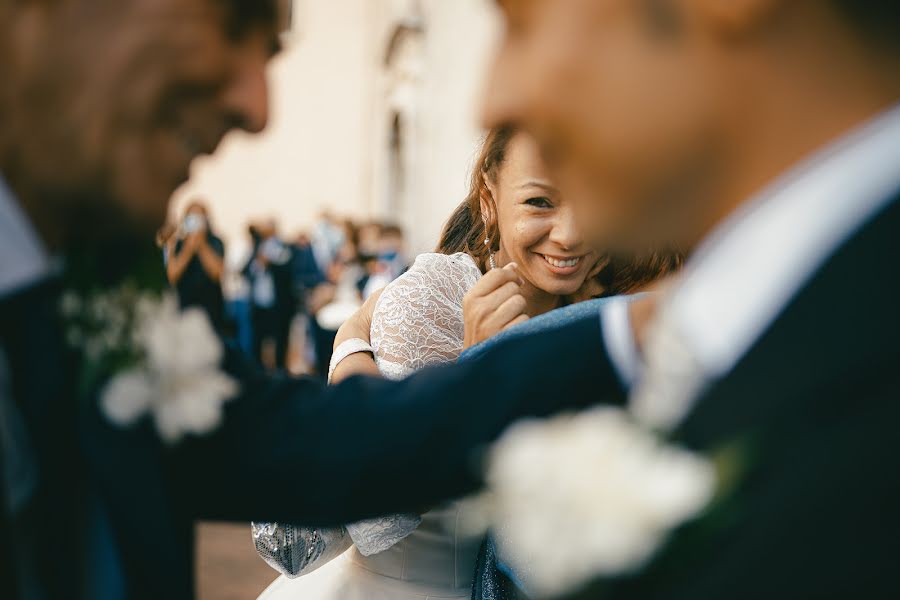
(834, 337)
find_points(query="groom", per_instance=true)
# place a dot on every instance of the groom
(764, 136)
(103, 105)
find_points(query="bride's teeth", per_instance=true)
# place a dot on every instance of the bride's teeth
(560, 264)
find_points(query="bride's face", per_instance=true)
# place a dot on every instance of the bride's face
(538, 227)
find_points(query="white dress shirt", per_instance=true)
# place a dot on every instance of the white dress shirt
(23, 262)
(748, 270)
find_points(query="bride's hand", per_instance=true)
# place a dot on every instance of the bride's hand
(357, 326)
(493, 304)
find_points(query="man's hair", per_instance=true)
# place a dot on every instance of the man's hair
(876, 20)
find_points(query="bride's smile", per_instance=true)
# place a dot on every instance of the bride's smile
(538, 227)
(562, 265)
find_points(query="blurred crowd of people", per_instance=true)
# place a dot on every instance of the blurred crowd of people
(287, 298)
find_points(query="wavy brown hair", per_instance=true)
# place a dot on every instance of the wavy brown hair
(629, 274)
(469, 226)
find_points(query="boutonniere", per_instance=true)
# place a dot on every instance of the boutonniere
(598, 488)
(148, 358)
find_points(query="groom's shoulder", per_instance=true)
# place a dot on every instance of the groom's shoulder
(834, 340)
(850, 302)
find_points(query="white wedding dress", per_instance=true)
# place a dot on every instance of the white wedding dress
(418, 322)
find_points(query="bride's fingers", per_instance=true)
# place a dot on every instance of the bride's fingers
(517, 321)
(481, 304)
(510, 310)
(478, 305)
(497, 298)
(495, 279)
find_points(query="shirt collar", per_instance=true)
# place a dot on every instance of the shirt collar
(745, 273)
(24, 260)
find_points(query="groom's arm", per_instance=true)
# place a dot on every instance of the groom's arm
(294, 450)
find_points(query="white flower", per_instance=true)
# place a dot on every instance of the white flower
(180, 385)
(590, 495)
(71, 305)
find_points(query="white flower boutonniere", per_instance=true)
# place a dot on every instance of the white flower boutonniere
(577, 497)
(157, 360)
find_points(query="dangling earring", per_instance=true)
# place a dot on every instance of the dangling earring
(491, 261)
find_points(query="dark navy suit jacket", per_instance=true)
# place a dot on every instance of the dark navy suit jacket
(293, 450)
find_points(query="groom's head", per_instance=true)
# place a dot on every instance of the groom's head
(104, 103)
(666, 114)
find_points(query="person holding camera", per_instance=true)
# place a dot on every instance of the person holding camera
(273, 299)
(195, 261)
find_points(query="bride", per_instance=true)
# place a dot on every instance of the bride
(513, 214)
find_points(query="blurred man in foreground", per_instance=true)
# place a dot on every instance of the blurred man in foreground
(763, 136)
(109, 452)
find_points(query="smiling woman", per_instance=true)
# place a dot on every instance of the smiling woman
(514, 213)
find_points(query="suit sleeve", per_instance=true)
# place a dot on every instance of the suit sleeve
(293, 450)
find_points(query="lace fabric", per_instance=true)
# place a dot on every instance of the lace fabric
(295, 550)
(374, 536)
(418, 322)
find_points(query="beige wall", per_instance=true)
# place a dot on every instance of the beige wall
(327, 141)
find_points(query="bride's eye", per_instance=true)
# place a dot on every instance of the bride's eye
(539, 202)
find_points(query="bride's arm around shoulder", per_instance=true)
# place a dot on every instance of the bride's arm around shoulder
(418, 320)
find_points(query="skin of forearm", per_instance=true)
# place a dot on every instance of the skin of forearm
(358, 326)
(361, 363)
(211, 261)
(178, 264)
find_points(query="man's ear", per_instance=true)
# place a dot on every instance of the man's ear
(735, 17)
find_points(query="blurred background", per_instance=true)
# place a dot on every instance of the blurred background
(374, 116)
(373, 130)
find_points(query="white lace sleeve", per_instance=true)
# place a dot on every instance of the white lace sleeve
(418, 321)
(374, 536)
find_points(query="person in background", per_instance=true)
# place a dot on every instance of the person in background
(165, 237)
(373, 277)
(326, 239)
(195, 261)
(391, 252)
(369, 237)
(305, 269)
(272, 296)
(331, 303)
(306, 278)
(381, 255)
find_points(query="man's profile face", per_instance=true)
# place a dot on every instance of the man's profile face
(615, 92)
(130, 92)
